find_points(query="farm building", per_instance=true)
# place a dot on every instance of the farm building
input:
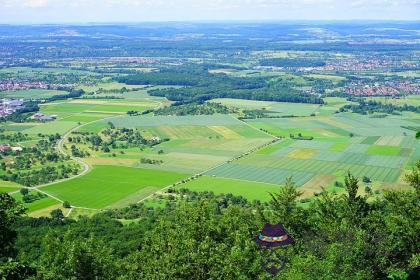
(43, 117)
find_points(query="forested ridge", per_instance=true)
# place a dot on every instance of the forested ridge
(207, 236)
(198, 85)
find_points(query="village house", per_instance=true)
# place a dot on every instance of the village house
(9, 106)
(43, 117)
(17, 149)
(4, 147)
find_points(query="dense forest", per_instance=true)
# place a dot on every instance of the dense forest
(207, 236)
(199, 85)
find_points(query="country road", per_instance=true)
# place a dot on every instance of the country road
(60, 148)
(87, 168)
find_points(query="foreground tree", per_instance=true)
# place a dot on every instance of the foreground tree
(413, 178)
(69, 257)
(10, 269)
(10, 211)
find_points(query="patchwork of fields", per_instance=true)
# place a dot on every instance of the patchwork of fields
(219, 146)
(377, 148)
(196, 144)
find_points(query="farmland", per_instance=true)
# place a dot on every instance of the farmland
(248, 189)
(98, 189)
(182, 150)
(340, 144)
(277, 109)
(282, 116)
(377, 148)
(31, 93)
(195, 143)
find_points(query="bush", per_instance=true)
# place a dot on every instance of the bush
(366, 180)
(24, 191)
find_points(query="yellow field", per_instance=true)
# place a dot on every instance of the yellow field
(174, 132)
(225, 132)
(77, 212)
(325, 132)
(334, 122)
(389, 141)
(315, 185)
(302, 153)
(45, 212)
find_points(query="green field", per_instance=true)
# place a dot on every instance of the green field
(384, 150)
(31, 93)
(144, 121)
(52, 127)
(247, 189)
(108, 185)
(96, 106)
(37, 204)
(273, 108)
(379, 149)
(8, 189)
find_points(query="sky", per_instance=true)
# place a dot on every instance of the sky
(85, 11)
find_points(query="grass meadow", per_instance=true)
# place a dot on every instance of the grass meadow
(105, 186)
(248, 189)
(31, 93)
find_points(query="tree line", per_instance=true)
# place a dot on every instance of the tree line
(208, 236)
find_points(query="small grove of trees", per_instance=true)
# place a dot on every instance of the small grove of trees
(206, 108)
(150, 161)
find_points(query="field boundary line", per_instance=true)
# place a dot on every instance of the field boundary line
(202, 173)
(257, 129)
(68, 214)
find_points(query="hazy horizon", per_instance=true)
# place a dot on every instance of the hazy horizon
(139, 11)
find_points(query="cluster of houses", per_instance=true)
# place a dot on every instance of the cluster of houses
(365, 64)
(9, 106)
(390, 88)
(7, 147)
(18, 85)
